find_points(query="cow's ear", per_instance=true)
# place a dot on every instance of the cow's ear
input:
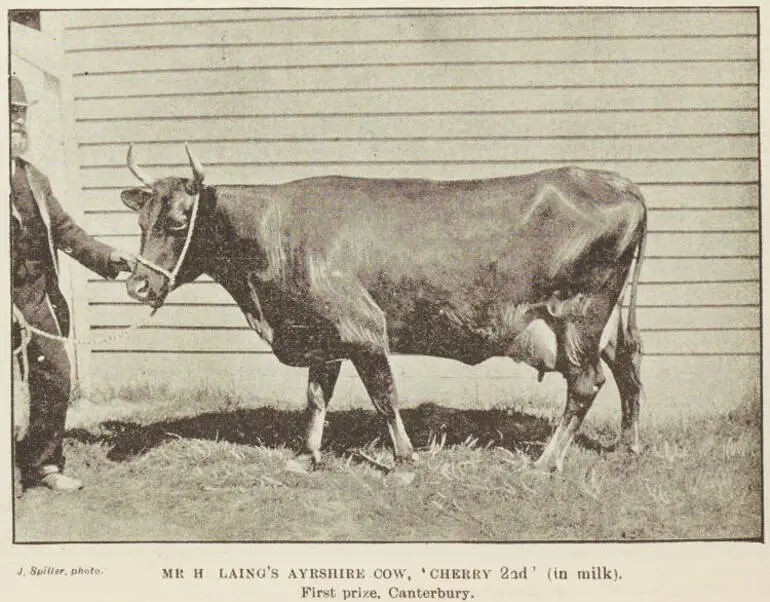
(135, 198)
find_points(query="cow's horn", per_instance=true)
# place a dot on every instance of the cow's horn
(135, 169)
(197, 168)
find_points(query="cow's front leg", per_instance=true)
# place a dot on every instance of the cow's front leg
(374, 370)
(320, 387)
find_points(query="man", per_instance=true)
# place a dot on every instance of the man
(39, 228)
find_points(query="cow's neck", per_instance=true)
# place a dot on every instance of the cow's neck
(216, 248)
(209, 239)
(230, 259)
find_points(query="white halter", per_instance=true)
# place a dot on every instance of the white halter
(172, 275)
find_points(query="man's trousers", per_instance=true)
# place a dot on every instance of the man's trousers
(48, 378)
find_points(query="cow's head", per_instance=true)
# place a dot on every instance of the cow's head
(164, 207)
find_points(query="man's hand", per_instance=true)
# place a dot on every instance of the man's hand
(124, 262)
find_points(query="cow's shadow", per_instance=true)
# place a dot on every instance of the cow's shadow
(345, 430)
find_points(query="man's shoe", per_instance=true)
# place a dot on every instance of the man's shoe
(57, 481)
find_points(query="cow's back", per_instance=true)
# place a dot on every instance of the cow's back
(451, 232)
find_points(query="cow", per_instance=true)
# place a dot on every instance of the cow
(326, 269)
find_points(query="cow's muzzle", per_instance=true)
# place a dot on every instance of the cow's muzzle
(138, 287)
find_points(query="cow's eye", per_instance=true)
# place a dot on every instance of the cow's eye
(175, 226)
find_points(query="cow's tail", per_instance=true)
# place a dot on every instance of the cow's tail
(631, 338)
(632, 328)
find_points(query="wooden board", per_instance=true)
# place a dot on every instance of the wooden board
(141, 28)
(656, 295)
(174, 315)
(701, 195)
(428, 101)
(230, 56)
(390, 122)
(565, 150)
(546, 75)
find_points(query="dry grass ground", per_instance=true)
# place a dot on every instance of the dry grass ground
(205, 465)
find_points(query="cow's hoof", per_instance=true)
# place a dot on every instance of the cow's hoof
(629, 445)
(400, 478)
(545, 466)
(632, 448)
(302, 464)
(402, 473)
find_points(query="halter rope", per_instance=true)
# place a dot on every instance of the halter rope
(172, 275)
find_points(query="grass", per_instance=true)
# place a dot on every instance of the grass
(207, 465)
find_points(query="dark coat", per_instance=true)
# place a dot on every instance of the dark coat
(63, 234)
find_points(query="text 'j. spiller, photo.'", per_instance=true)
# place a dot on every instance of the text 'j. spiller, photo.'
(386, 275)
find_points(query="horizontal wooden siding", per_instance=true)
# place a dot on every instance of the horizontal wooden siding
(668, 98)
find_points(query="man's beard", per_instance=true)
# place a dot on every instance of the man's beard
(19, 143)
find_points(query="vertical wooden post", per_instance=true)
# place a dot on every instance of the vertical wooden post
(54, 148)
(52, 25)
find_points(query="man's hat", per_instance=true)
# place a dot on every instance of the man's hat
(18, 95)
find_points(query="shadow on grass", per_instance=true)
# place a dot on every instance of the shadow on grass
(344, 431)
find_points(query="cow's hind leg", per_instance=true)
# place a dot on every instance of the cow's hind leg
(578, 360)
(624, 356)
(320, 386)
(582, 386)
(375, 372)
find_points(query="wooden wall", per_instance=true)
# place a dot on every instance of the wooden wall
(668, 98)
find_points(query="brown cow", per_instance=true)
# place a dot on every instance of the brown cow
(331, 268)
